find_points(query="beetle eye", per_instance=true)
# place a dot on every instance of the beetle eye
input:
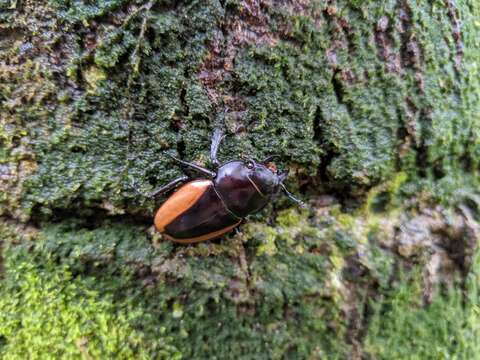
(250, 165)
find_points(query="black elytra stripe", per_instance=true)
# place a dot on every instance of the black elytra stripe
(206, 216)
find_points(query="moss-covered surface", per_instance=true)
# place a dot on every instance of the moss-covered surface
(324, 285)
(46, 312)
(448, 328)
(372, 105)
(208, 301)
(347, 93)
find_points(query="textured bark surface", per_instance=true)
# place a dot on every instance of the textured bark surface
(373, 106)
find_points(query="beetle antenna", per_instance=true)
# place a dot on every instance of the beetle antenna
(290, 195)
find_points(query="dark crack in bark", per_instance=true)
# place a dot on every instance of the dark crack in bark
(384, 41)
(456, 32)
(411, 54)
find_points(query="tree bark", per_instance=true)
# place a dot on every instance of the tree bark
(372, 106)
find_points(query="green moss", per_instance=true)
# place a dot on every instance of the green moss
(84, 12)
(357, 97)
(402, 328)
(46, 313)
(360, 91)
(382, 198)
(204, 300)
(271, 291)
(366, 111)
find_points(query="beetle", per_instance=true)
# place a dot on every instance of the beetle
(207, 208)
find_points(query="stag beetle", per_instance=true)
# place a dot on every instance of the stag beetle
(205, 209)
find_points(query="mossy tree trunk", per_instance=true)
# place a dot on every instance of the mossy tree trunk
(373, 106)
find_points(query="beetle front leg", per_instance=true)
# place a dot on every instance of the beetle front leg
(169, 186)
(198, 168)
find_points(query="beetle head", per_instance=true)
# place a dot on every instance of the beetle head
(234, 177)
(265, 181)
(268, 179)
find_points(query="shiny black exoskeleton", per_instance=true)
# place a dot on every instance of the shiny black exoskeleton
(206, 209)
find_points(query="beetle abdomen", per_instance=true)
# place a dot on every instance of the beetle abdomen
(194, 213)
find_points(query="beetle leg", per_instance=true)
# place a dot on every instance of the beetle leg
(290, 196)
(217, 138)
(168, 186)
(207, 172)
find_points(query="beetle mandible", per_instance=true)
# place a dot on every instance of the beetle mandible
(205, 209)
